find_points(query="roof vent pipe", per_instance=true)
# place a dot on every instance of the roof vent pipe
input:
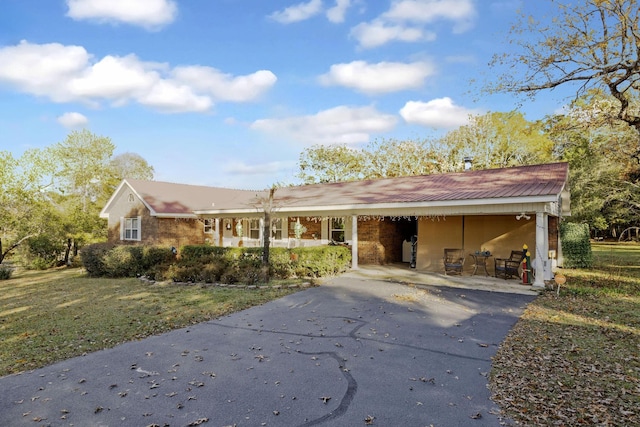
(468, 163)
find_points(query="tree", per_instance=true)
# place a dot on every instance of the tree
(24, 204)
(589, 43)
(498, 140)
(129, 165)
(333, 163)
(392, 158)
(379, 159)
(83, 167)
(599, 151)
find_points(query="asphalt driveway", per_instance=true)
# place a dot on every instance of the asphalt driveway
(351, 352)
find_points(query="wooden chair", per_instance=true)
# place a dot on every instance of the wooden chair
(453, 261)
(509, 267)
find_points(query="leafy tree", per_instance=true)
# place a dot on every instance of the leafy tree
(391, 158)
(333, 163)
(599, 151)
(497, 140)
(379, 159)
(588, 44)
(129, 165)
(24, 204)
(83, 168)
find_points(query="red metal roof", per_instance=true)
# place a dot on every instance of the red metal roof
(523, 181)
(515, 182)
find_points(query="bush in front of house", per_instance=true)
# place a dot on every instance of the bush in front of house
(93, 256)
(576, 246)
(108, 260)
(211, 264)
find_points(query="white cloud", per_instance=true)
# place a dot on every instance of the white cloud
(382, 77)
(336, 13)
(439, 113)
(460, 12)
(270, 168)
(150, 14)
(226, 87)
(42, 70)
(406, 20)
(378, 33)
(298, 12)
(170, 97)
(339, 125)
(69, 74)
(72, 120)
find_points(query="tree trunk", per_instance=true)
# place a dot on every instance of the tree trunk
(66, 252)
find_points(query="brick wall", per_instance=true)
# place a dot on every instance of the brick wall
(380, 242)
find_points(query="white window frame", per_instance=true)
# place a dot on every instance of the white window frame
(254, 228)
(276, 227)
(208, 225)
(341, 228)
(131, 228)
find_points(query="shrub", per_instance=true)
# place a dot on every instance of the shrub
(5, 272)
(576, 247)
(318, 261)
(42, 252)
(195, 252)
(123, 261)
(93, 258)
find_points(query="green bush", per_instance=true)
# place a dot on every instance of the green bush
(92, 257)
(5, 272)
(319, 261)
(123, 261)
(576, 246)
(105, 259)
(211, 264)
(195, 252)
(42, 252)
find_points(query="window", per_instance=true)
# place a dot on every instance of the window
(131, 229)
(208, 225)
(276, 229)
(254, 228)
(336, 230)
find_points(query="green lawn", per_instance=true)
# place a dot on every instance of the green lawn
(54, 315)
(574, 358)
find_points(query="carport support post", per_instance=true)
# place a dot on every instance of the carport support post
(542, 267)
(354, 242)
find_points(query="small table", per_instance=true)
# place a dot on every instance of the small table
(480, 260)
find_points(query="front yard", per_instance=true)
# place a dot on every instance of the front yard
(574, 358)
(54, 315)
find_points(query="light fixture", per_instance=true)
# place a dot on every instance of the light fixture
(523, 215)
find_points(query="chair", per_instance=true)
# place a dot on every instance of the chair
(453, 261)
(509, 267)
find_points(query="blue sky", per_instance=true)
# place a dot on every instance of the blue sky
(230, 92)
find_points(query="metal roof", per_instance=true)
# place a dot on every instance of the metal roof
(534, 181)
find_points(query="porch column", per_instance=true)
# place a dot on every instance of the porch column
(354, 242)
(216, 232)
(542, 265)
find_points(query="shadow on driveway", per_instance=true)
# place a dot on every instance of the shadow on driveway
(350, 352)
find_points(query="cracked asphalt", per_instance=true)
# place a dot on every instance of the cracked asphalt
(351, 352)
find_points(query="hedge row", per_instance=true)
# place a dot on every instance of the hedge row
(576, 246)
(212, 264)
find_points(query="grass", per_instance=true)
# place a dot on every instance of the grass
(574, 357)
(49, 316)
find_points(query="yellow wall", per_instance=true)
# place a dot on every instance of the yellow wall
(499, 234)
